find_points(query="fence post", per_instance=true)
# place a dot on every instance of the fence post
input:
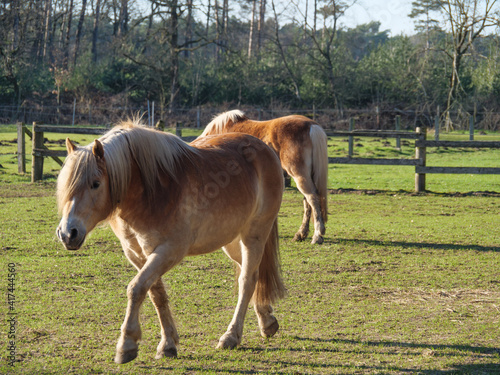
(436, 128)
(37, 161)
(21, 149)
(74, 109)
(198, 115)
(471, 128)
(420, 153)
(351, 138)
(153, 114)
(178, 129)
(398, 128)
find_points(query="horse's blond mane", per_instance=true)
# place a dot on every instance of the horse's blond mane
(216, 126)
(126, 143)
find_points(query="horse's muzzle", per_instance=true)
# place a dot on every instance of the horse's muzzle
(72, 238)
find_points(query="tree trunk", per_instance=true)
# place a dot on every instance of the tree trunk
(217, 31)
(208, 18)
(37, 49)
(96, 30)
(79, 31)
(250, 35)
(46, 36)
(189, 27)
(123, 19)
(174, 56)
(260, 27)
(68, 34)
(15, 35)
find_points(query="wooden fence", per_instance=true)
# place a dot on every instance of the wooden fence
(421, 145)
(419, 162)
(39, 150)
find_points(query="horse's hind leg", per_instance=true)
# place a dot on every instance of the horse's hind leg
(169, 336)
(307, 188)
(249, 265)
(303, 231)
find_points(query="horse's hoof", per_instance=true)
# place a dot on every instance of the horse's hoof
(167, 353)
(317, 240)
(271, 330)
(299, 237)
(227, 342)
(124, 357)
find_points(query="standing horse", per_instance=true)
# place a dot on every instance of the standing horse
(301, 145)
(165, 200)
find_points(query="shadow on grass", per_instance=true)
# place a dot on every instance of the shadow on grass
(413, 193)
(287, 366)
(417, 245)
(467, 348)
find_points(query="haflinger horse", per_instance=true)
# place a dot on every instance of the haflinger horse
(301, 145)
(164, 200)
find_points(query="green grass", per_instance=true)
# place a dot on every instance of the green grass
(404, 283)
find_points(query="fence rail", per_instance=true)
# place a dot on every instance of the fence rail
(39, 150)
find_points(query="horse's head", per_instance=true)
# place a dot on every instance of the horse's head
(83, 193)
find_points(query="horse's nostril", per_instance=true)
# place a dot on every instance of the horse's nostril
(73, 234)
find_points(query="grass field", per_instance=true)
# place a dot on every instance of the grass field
(404, 283)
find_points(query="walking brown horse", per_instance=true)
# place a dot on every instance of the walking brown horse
(165, 200)
(301, 145)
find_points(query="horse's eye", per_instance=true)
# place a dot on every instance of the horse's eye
(95, 185)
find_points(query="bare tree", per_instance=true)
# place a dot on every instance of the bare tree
(283, 55)
(324, 51)
(466, 20)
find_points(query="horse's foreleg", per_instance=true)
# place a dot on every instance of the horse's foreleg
(303, 231)
(246, 286)
(127, 347)
(156, 265)
(169, 336)
(268, 324)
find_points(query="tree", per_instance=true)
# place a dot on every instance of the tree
(96, 30)
(79, 31)
(425, 8)
(283, 55)
(66, 46)
(466, 20)
(325, 51)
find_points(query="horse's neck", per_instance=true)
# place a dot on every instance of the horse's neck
(145, 203)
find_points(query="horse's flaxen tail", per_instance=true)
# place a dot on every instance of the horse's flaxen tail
(320, 166)
(270, 286)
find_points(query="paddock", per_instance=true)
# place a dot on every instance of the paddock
(404, 283)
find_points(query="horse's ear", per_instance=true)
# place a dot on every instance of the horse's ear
(70, 146)
(98, 150)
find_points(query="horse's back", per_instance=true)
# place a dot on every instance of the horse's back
(244, 170)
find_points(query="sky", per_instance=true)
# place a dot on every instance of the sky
(392, 14)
